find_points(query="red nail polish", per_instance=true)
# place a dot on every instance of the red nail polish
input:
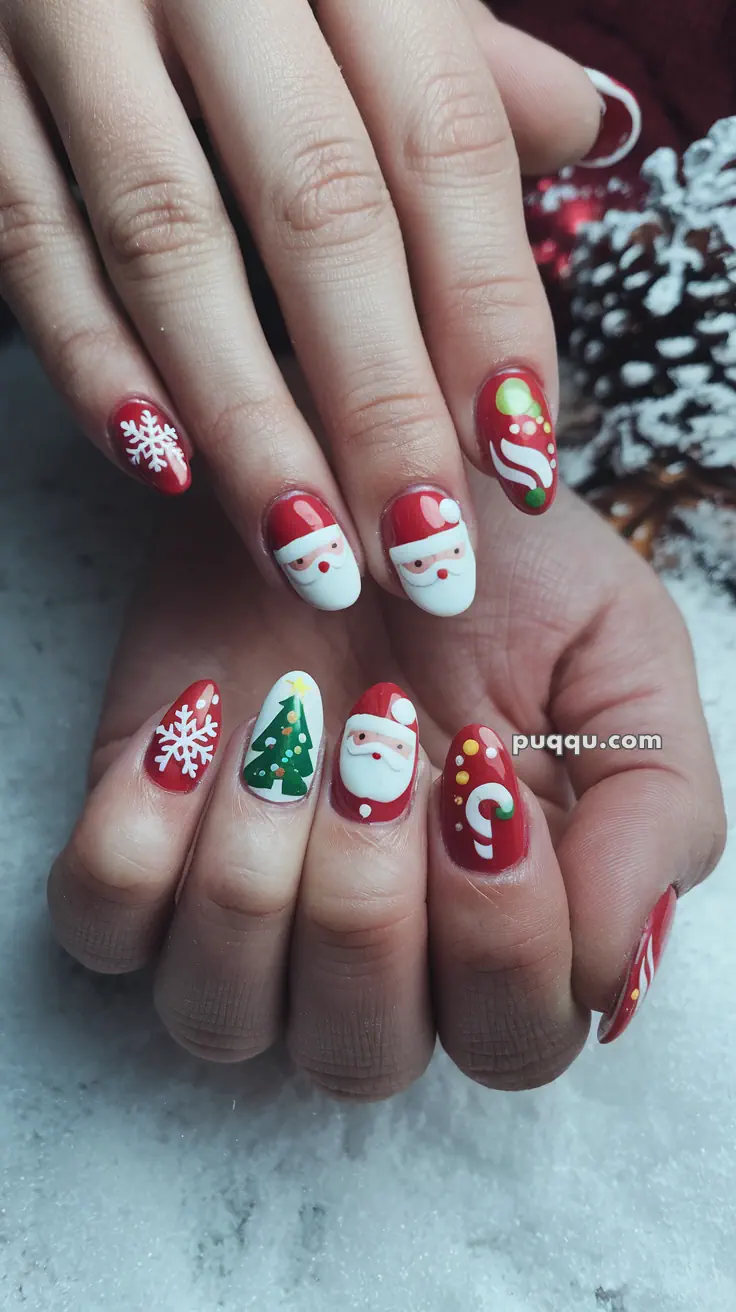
(313, 552)
(643, 969)
(147, 443)
(428, 544)
(516, 432)
(376, 763)
(184, 743)
(620, 122)
(483, 821)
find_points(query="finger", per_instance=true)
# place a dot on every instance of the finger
(220, 986)
(360, 1021)
(111, 891)
(500, 941)
(174, 260)
(51, 277)
(448, 155)
(306, 175)
(648, 818)
(553, 110)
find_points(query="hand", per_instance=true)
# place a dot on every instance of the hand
(385, 139)
(313, 918)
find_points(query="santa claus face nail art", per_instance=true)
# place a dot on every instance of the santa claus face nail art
(376, 762)
(483, 821)
(312, 550)
(431, 551)
(284, 747)
(184, 743)
(516, 433)
(147, 443)
(620, 122)
(643, 968)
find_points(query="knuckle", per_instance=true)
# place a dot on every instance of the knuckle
(150, 224)
(485, 297)
(524, 1052)
(380, 420)
(332, 195)
(27, 229)
(457, 131)
(216, 1020)
(76, 352)
(105, 933)
(264, 418)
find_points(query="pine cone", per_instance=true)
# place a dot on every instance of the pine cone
(654, 339)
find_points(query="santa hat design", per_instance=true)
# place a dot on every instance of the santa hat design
(384, 708)
(423, 523)
(298, 525)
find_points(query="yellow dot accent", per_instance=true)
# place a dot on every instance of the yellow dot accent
(471, 747)
(462, 777)
(292, 717)
(634, 995)
(548, 428)
(458, 801)
(297, 751)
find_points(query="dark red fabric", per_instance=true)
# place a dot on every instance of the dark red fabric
(678, 56)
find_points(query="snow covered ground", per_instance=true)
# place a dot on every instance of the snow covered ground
(133, 1177)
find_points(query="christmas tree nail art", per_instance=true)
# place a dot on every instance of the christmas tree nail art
(146, 441)
(515, 430)
(284, 748)
(483, 822)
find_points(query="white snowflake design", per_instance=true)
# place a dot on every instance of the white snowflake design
(185, 741)
(153, 443)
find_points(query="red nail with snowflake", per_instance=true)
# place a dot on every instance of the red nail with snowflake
(643, 969)
(482, 816)
(184, 743)
(516, 432)
(146, 441)
(376, 764)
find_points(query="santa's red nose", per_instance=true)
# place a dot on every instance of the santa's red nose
(376, 756)
(441, 573)
(324, 565)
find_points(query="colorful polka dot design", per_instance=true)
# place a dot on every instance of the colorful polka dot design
(516, 431)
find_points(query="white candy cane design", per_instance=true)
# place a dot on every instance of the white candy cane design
(529, 458)
(646, 974)
(486, 793)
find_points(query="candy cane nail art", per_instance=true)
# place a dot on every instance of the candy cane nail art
(621, 122)
(146, 441)
(184, 743)
(517, 435)
(643, 969)
(483, 821)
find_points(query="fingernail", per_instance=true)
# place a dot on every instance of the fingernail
(620, 122)
(428, 543)
(643, 969)
(482, 816)
(147, 443)
(376, 762)
(312, 550)
(184, 743)
(284, 747)
(516, 432)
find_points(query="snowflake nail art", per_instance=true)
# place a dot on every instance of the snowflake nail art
(184, 743)
(147, 441)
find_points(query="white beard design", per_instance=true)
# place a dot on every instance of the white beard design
(384, 780)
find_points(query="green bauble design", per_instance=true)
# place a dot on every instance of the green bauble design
(505, 815)
(514, 398)
(535, 497)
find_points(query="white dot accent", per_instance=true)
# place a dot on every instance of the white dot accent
(459, 760)
(491, 752)
(216, 699)
(553, 464)
(540, 420)
(302, 737)
(270, 742)
(274, 766)
(551, 448)
(365, 810)
(450, 511)
(403, 711)
(201, 704)
(514, 428)
(458, 827)
(530, 428)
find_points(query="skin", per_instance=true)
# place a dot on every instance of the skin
(361, 943)
(362, 149)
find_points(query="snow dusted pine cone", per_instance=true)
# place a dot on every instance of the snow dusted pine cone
(654, 338)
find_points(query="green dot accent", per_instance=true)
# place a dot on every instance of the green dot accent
(504, 815)
(513, 397)
(535, 497)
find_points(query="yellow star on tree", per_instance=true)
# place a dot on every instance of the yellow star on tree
(300, 687)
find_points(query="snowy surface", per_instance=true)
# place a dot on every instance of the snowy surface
(134, 1178)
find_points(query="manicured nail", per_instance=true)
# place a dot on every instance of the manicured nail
(515, 430)
(312, 550)
(146, 441)
(185, 741)
(284, 747)
(483, 821)
(376, 763)
(429, 546)
(620, 122)
(643, 969)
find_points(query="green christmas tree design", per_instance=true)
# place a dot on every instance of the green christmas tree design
(285, 751)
